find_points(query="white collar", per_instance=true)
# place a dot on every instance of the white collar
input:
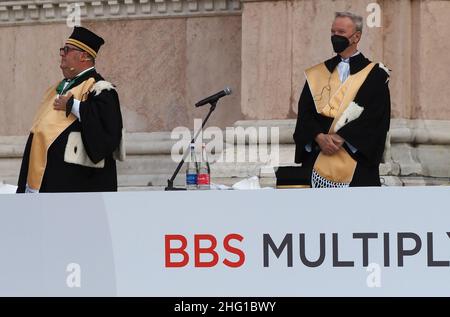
(347, 60)
(84, 71)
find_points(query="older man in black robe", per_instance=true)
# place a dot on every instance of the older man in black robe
(76, 135)
(343, 113)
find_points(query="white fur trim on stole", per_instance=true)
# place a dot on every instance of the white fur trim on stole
(75, 152)
(352, 112)
(102, 85)
(387, 70)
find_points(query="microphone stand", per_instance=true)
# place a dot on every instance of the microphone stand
(171, 180)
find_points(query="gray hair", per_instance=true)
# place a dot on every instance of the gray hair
(356, 19)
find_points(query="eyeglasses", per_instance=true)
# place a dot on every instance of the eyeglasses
(66, 49)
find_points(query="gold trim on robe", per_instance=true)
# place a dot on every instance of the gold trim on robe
(331, 98)
(48, 124)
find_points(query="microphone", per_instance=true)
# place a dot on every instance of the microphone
(215, 97)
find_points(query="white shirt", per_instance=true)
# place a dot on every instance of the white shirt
(76, 103)
(344, 67)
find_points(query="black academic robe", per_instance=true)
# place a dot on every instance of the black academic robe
(101, 132)
(367, 133)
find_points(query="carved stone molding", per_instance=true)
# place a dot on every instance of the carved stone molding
(49, 11)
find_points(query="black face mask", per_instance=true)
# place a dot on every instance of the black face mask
(340, 43)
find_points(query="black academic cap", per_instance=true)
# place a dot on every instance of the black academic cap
(86, 40)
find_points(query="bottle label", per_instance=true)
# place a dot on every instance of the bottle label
(191, 179)
(203, 179)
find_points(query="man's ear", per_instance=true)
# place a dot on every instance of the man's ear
(85, 57)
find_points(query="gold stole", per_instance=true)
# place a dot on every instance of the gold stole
(48, 124)
(331, 98)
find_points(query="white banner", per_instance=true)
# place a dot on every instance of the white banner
(388, 241)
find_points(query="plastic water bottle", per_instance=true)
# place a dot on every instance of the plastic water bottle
(192, 170)
(204, 171)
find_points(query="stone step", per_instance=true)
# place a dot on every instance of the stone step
(418, 148)
(10, 167)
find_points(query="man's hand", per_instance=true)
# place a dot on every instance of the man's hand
(337, 139)
(327, 144)
(61, 101)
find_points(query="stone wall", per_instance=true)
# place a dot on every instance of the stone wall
(418, 153)
(162, 61)
(281, 38)
(164, 55)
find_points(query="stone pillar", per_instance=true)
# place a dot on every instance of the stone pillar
(430, 60)
(266, 59)
(282, 38)
(397, 16)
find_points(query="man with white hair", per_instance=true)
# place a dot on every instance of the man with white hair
(343, 113)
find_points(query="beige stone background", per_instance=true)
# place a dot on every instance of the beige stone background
(281, 38)
(165, 55)
(163, 66)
